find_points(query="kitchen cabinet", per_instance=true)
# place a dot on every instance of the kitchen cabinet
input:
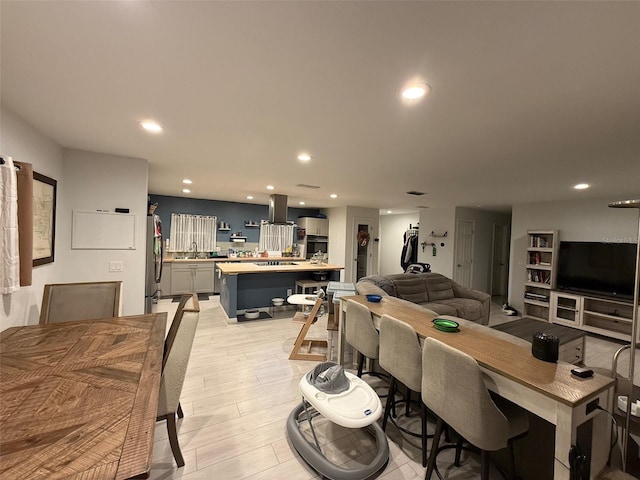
(165, 280)
(192, 278)
(314, 226)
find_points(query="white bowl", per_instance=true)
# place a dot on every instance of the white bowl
(252, 314)
(277, 301)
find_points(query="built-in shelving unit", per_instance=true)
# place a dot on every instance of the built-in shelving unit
(542, 246)
(604, 316)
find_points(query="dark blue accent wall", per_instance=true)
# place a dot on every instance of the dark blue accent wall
(235, 214)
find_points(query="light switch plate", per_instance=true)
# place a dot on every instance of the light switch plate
(116, 266)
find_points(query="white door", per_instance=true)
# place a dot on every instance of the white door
(500, 260)
(463, 272)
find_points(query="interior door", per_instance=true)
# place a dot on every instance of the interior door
(362, 256)
(500, 260)
(463, 273)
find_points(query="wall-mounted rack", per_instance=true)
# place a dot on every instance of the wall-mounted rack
(433, 234)
(237, 238)
(224, 227)
(251, 224)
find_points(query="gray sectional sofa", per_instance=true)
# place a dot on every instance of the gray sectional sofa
(432, 291)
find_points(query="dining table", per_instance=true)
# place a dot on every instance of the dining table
(78, 400)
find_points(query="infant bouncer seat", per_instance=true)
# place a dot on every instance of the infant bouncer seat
(345, 400)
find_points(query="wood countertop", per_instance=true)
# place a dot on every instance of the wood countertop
(232, 259)
(235, 268)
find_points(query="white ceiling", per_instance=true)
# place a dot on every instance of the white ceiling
(529, 98)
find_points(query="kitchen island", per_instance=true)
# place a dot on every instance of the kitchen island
(252, 285)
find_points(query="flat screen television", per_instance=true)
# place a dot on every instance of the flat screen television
(606, 269)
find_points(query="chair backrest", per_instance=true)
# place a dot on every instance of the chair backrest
(175, 325)
(177, 357)
(453, 388)
(359, 330)
(400, 352)
(64, 302)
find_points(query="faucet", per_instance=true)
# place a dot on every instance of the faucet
(194, 246)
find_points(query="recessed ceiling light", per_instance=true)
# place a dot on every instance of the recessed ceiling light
(581, 186)
(186, 181)
(151, 126)
(389, 211)
(249, 197)
(304, 157)
(270, 187)
(301, 203)
(186, 190)
(416, 90)
(333, 195)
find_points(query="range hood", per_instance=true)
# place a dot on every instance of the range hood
(278, 209)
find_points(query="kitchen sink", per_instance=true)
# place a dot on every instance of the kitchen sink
(272, 263)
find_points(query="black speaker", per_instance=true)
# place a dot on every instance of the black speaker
(545, 347)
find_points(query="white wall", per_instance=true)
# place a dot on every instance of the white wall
(98, 181)
(587, 220)
(23, 143)
(86, 181)
(392, 229)
(438, 220)
(337, 236)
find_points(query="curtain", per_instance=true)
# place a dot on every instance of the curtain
(187, 229)
(275, 237)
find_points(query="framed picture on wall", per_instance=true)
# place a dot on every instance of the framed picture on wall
(44, 218)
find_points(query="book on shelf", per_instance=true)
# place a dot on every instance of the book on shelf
(538, 242)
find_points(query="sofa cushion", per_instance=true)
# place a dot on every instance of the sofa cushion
(464, 307)
(381, 282)
(439, 287)
(411, 288)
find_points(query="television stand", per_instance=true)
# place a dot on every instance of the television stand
(610, 317)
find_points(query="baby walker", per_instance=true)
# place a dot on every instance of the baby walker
(346, 400)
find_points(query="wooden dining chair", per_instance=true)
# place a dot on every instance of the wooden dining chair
(64, 302)
(303, 342)
(175, 360)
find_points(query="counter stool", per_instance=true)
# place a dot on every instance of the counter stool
(453, 389)
(401, 358)
(362, 335)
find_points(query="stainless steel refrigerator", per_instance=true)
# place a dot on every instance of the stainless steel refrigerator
(153, 262)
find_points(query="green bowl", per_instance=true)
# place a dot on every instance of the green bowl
(445, 325)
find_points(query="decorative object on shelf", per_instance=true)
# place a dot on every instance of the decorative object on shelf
(363, 238)
(634, 322)
(251, 224)
(224, 227)
(433, 234)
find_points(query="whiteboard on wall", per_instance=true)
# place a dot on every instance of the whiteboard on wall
(103, 231)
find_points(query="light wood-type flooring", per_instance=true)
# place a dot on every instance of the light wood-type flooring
(240, 388)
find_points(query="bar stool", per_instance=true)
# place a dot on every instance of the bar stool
(453, 389)
(401, 358)
(362, 335)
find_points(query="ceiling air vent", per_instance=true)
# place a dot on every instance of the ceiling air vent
(304, 185)
(413, 192)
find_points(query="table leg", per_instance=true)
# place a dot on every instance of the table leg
(341, 320)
